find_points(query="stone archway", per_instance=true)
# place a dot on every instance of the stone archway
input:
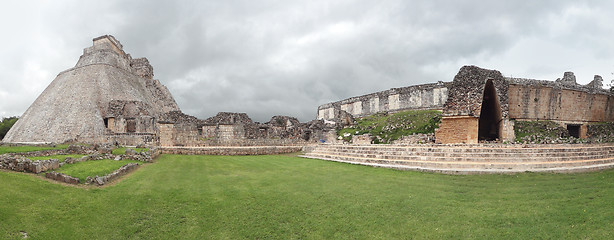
(489, 127)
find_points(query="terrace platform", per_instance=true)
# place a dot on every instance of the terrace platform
(472, 158)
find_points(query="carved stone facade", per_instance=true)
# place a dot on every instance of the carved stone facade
(237, 129)
(426, 96)
(483, 105)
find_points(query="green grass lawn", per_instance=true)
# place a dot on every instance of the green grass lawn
(82, 170)
(285, 197)
(122, 150)
(62, 158)
(16, 149)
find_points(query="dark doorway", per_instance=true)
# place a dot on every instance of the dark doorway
(490, 114)
(106, 122)
(130, 125)
(574, 130)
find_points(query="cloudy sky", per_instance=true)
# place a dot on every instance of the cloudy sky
(287, 57)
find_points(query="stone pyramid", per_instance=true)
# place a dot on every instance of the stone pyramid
(106, 95)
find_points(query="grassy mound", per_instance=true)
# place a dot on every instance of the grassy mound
(17, 149)
(82, 170)
(385, 128)
(283, 197)
(58, 157)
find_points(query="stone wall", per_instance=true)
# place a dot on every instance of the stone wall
(463, 108)
(122, 139)
(426, 96)
(61, 177)
(537, 100)
(123, 170)
(228, 150)
(23, 164)
(237, 129)
(467, 91)
(457, 129)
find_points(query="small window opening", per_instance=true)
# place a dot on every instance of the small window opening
(106, 122)
(130, 126)
(574, 130)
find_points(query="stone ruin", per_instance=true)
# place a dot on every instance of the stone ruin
(20, 162)
(482, 105)
(111, 98)
(238, 129)
(107, 97)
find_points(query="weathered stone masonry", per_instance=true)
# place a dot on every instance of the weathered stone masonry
(426, 96)
(483, 105)
(108, 97)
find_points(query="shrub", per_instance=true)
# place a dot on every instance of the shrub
(5, 125)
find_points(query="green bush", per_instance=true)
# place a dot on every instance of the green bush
(5, 125)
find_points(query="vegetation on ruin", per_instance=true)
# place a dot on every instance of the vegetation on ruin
(6, 124)
(545, 132)
(601, 132)
(27, 148)
(285, 197)
(385, 128)
(122, 150)
(61, 158)
(541, 132)
(82, 170)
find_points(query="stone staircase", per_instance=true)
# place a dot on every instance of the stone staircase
(471, 158)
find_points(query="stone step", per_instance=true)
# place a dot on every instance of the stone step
(584, 168)
(472, 157)
(467, 149)
(467, 164)
(464, 160)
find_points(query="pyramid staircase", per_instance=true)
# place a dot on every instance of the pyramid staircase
(471, 159)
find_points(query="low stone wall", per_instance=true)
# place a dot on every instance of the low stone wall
(419, 138)
(229, 150)
(19, 162)
(22, 164)
(41, 153)
(123, 170)
(61, 177)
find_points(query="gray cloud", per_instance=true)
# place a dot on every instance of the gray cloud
(287, 57)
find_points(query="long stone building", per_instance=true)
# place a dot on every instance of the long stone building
(426, 96)
(481, 104)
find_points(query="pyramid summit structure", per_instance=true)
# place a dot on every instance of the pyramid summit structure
(108, 96)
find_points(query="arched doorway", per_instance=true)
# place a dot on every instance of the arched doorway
(490, 114)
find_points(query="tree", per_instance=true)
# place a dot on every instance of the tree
(6, 124)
